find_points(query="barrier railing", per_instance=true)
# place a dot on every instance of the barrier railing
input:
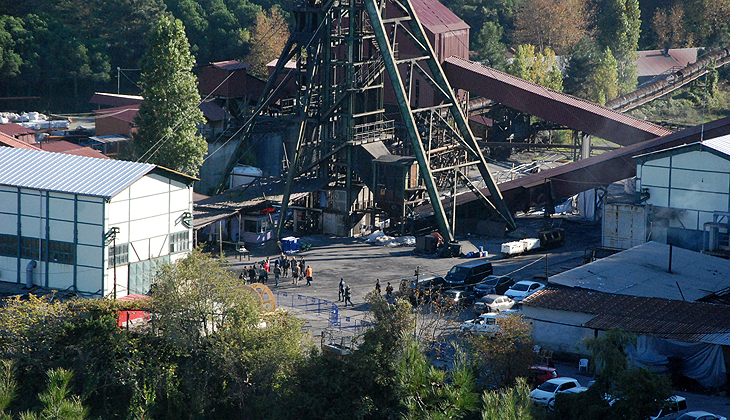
(320, 307)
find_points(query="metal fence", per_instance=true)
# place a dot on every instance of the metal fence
(322, 308)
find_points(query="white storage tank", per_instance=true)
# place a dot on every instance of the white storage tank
(243, 174)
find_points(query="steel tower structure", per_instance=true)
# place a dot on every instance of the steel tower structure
(339, 56)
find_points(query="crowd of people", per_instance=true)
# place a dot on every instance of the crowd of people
(259, 272)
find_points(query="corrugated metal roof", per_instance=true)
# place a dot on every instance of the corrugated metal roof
(576, 113)
(213, 111)
(230, 65)
(62, 146)
(677, 319)
(655, 62)
(113, 99)
(68, 173)
(13, 129)
(10, 141)
(720, 144)
(436, 17)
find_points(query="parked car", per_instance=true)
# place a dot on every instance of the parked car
(540, 374)
(468, 273)
(700, 415)
(485, 324)
(545, 393)
(523, 289)
(457, 298)
(493, 285)
(493, 303)
(422, 290)
(675, 405)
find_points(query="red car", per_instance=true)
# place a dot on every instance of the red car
(540, 374)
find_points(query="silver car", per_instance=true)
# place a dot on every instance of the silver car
(493, 303)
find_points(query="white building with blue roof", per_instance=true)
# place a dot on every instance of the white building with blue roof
(85, 224)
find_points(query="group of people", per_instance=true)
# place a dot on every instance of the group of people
(279, 267)
(344, 293)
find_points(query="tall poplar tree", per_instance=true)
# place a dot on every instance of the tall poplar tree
(620, 26)
(167, 121)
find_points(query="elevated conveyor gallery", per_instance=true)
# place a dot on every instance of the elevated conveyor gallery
(548, 104)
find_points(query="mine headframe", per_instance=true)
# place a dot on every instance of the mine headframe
(335, 65)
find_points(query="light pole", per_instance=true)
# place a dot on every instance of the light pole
(112, 236)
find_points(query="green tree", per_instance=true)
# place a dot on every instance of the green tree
(431, 393)
(506, 356)
(592, 74)
(10, 60)
(168, 118)
(511, 403)
(620, 27)
(489, 47)
(56, 400)
(537, 67)
(557, 24)
(268, 38)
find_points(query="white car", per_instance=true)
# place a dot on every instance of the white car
(493, 303)
(523, 289)
(485, 324)
(545, 393)
(700, 415)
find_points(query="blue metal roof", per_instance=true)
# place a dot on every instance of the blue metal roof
(70, 174)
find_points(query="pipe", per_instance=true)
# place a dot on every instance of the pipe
(29, 274)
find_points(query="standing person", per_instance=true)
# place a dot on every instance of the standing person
(389, 290)
(243, 274)
(347, 295)
(341, 292)
(377, 285)
(266, 265)
(302, 267)
(285, 265)
(277, 273)
(252, 274)
(294, 274)
(308, 274)
(262, 275)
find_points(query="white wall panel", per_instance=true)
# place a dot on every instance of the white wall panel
(61, 208)
(698, 200)
(148, 228)
(149, 185)
(90, 234)
(653, 176)
(30, 202)
(696, 160)
(60, 276)
(122, 196)
(180, 201)
(91, 212)
(150, 206)
(88, 279)
(117, 213)
(159, 246)
(8, 269)
(61, 231)
(32, 227)
(685, 220)
(8, 201)
(139, 250)
(658, 196)
(698, 180)
(8, 224)
(90, 256)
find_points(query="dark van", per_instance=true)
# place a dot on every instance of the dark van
(471, 272)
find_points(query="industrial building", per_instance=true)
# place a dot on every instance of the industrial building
(96, 227)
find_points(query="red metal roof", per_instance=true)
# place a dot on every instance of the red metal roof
(654, 62)
(10, 141)
(229, 65)
(677, 319)
(113, 99)
(548, 104)
(12, 129)
(437, 18)
(68, 148)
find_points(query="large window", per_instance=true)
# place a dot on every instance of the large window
(59, 252)
(121, 252)
(256, 226)
(179, 242)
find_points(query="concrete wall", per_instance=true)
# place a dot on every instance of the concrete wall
(559, 330)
